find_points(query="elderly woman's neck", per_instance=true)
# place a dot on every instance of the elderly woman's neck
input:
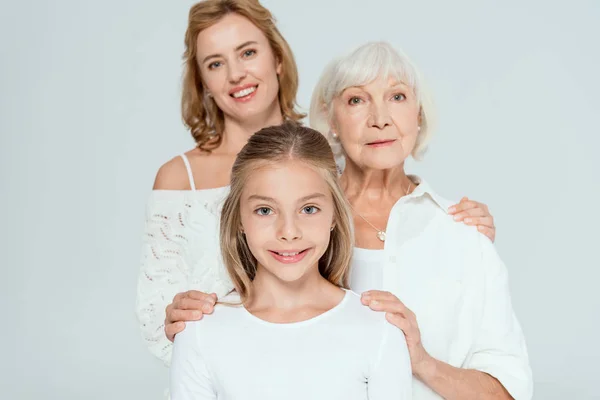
(374, 184)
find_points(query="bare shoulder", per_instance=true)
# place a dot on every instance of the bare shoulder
(210, 170)
(172, 175)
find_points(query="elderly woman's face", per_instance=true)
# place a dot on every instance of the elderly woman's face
(377, 124)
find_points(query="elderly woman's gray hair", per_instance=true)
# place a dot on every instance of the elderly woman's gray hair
(362, 66)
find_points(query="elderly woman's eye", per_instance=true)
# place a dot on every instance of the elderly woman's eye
(354, 100)
(399, 97)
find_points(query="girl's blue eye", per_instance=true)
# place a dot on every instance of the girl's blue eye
(214, 65)
(310, 210)
(249, 53)
(399, 97)
(263, 211)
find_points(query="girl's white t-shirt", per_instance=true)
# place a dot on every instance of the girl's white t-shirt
(348, 353)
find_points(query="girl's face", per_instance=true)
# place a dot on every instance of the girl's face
(287, 213)
(239, 69)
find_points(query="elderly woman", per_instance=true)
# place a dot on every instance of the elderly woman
(467, 343)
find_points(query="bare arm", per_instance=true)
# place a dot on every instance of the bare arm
(460, 384)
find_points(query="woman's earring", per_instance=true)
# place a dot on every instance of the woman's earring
(333, 134)
(419, 128)
(332, 228)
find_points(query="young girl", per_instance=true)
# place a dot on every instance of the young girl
(297, 332)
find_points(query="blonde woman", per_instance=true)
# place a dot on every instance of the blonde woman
(443, 284)
(240, 76)
(286, 239)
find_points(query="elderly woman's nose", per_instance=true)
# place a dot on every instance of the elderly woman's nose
(380, 116)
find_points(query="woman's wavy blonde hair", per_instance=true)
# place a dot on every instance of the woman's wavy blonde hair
(200, 113)
(272, 145)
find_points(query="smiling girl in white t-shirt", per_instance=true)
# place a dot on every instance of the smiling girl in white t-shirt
(291, 330)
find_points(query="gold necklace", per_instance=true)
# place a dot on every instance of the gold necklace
(380, 232)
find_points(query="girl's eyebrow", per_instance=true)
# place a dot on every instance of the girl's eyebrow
(270, 199)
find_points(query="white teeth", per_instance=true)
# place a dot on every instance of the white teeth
(244, 92)
(289, 254)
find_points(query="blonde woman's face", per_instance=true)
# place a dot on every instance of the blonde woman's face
(287, 212)
(239, 69)
(377, 124)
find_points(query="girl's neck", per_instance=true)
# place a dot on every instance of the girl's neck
(271, 295)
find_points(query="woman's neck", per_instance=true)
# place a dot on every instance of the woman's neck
(237, 132)
(370, 186)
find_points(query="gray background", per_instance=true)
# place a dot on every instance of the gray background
(89, 109)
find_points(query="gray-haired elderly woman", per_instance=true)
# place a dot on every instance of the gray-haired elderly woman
(467, 343)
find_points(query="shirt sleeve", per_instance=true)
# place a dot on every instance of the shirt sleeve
(391, 374)
(499, 348)
(162, 275)
(190, 375)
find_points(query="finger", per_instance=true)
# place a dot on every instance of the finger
(463, 205)
(176, 315)
(488, 222)
(173, 329)
(190, 304)
(473, 212)
(372, 292)
(387, 306)
(453, 209)
(490, 233)
(197, 295)
(378, 295)
(178, 296)
(399, 322)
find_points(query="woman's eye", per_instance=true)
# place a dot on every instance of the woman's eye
(263, 211)
(249, 53)
(310, 210)
(214, 65)
(354, 100)
(399, 97)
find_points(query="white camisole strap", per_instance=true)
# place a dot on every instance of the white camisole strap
(189, 171)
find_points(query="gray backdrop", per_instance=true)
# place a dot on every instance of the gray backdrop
(89, 109)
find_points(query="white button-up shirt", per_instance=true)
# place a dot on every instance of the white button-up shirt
(452, 278)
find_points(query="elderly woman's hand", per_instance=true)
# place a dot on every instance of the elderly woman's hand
(403, 318)
(187, 306)
(474, 213)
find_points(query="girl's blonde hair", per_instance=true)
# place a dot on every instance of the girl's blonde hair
(287, 142)
(200, 113)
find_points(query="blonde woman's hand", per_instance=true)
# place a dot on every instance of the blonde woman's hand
(474, 213)
(403, 318)
(187, 306)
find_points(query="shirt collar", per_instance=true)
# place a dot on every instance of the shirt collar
(424, 189)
